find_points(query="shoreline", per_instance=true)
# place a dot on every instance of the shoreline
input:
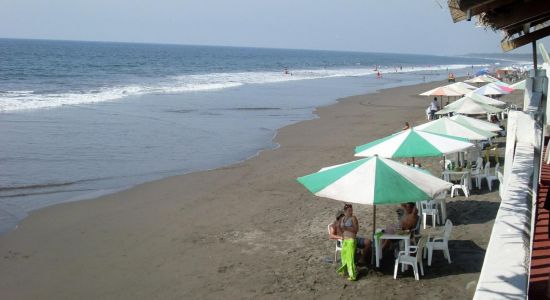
(95, 194)
(245, 230)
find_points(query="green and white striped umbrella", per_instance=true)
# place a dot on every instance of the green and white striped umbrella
(413, 143)
(447, 126)
(374, 181)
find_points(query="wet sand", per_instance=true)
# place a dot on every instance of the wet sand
(241, 232)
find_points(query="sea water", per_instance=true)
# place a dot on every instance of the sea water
(82, 119)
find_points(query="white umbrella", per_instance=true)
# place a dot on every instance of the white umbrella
(477, 123)
(459, 88)
(444, 91)
(481, 79)
(462, 85)
(501, 84)
(483, 99)
(507, 69)
(468, 106)
(520, 85)
(491, 89)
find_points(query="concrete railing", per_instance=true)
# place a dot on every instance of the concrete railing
(505, 272)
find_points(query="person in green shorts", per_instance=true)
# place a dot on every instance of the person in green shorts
(349, 227)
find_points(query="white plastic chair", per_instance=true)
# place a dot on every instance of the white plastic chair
(501, 183)
(481, 176)
(463, 185)
(429, 208)
(445, 163)
(414, 261)
(474, 155)
(492, 177)
(440, 243)
(416, 231)
(477, 170)
(338, 245)
(440, 199)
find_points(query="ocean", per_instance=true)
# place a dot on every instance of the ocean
(83, 119)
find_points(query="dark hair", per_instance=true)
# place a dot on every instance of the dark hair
(347, 205)
(411, 204)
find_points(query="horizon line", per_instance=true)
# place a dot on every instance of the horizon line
(251, 47)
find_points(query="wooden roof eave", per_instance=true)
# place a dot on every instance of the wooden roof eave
(512, 17)
(510, 44)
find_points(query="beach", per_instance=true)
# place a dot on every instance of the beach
(244, 231)
(115, 115)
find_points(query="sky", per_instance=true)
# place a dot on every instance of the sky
(399, 26)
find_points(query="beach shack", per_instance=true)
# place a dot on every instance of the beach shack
(517, 261)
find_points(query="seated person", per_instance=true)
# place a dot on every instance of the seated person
(407, 221)
(502, 131)
(335, 233)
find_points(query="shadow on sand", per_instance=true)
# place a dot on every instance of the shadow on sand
(466, 257)
(463, 212)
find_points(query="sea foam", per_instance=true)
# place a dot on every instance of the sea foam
(27, 100)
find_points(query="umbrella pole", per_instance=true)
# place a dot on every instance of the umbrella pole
(374, 220)
(413, 162)
(373, 253)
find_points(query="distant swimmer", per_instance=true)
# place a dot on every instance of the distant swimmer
(286, 71)
(378, 75)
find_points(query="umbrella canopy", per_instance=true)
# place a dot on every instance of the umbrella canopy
(450, 127)
(373, 181)
(476, 123)
(468, 106)
(507, 69)
(482, 71)
(491, 89)
(413, 143)
(503, 86)
(520, 85)
(462, 86)
(483, 99)
(459, 88)
(500, 83)
(481, 79)
(443, 91)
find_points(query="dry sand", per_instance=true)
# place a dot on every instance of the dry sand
(244, 231)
